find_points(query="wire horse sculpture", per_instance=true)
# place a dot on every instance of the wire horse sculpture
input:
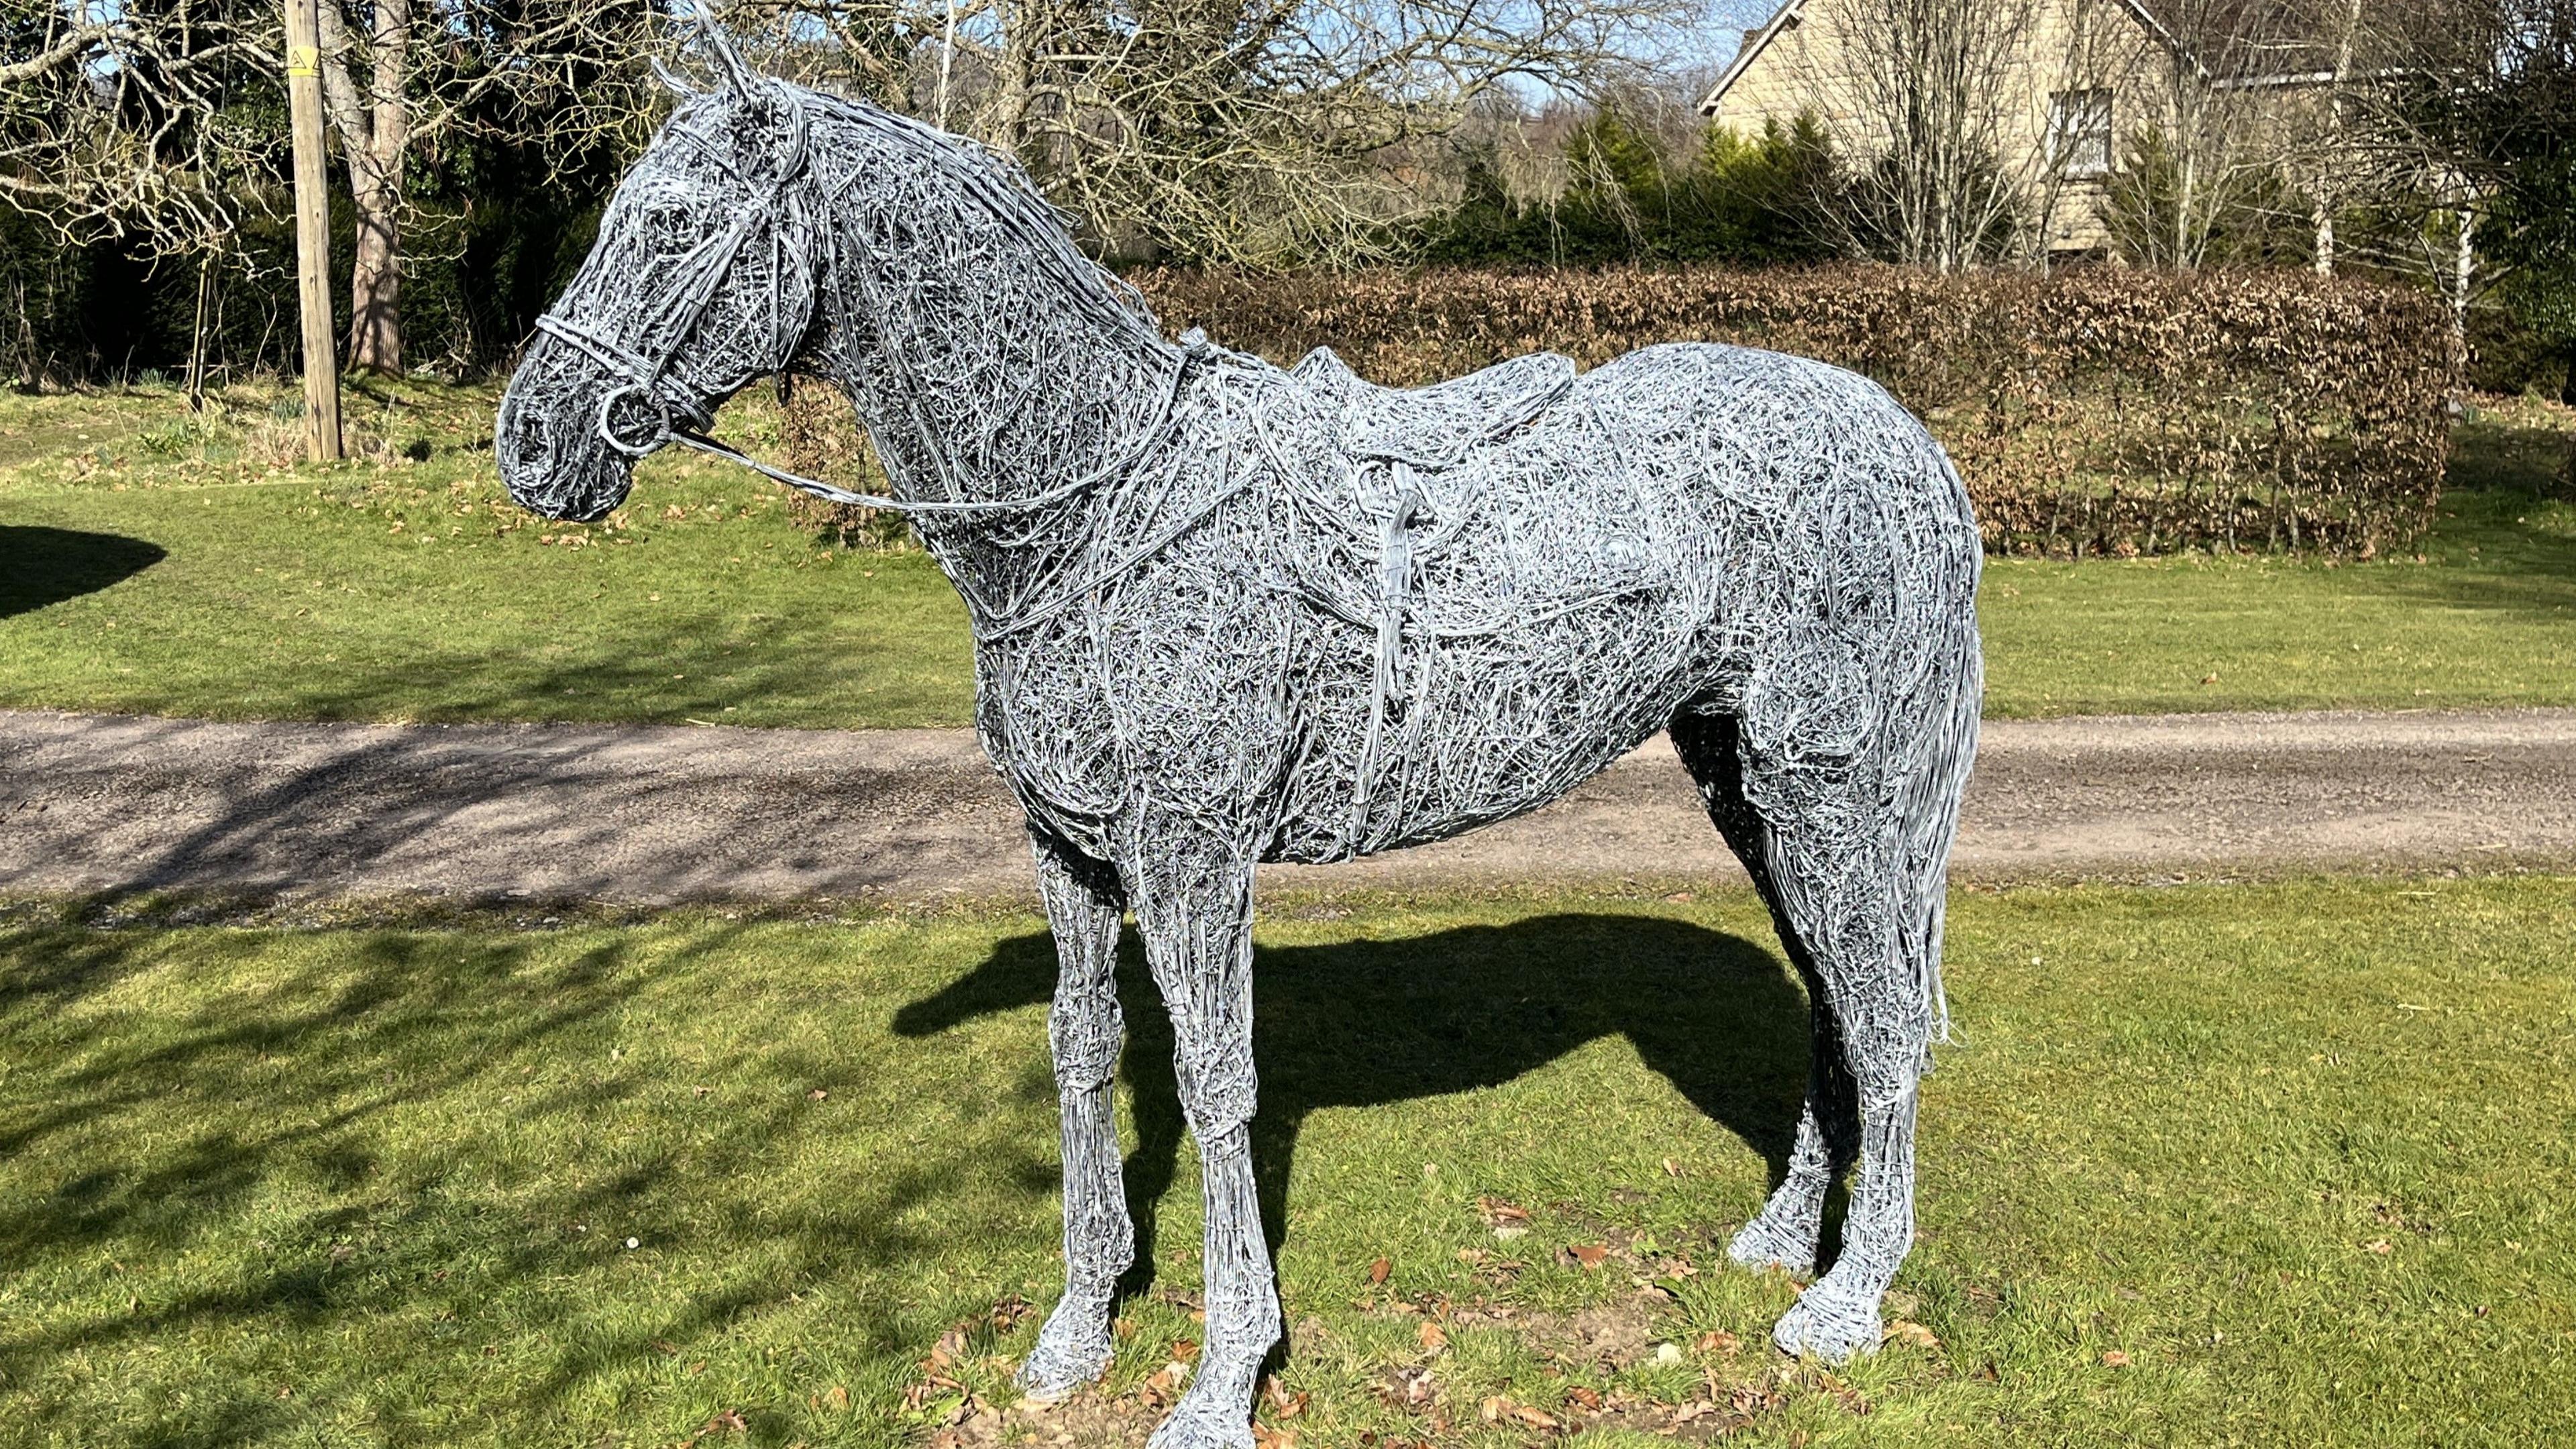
(1227, 614)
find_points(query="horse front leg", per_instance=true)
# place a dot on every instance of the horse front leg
(1194, 909)
(1083, 906)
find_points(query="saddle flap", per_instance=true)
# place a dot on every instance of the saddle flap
(1435, 427)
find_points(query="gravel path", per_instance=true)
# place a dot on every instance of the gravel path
(652, 815)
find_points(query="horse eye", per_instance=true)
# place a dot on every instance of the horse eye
(670, 229)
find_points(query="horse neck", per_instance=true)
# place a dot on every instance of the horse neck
(988, 360)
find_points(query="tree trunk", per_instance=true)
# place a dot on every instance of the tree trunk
(375, 133)
(375, 276)
(197, 333)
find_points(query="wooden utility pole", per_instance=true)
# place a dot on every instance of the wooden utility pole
(312, 233)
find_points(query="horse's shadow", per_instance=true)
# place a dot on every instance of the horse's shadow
(1364, 1022)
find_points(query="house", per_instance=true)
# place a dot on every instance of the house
(2070, 83)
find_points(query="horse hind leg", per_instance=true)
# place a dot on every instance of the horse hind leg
(1837, 867)
(1785, 1233)
(1856, 888)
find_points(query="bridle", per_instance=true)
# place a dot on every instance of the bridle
(677, 417)
(646, 375)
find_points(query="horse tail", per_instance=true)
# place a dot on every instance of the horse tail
(1937, 775)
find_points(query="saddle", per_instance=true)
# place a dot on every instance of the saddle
(1431, 429)
(1400, 440)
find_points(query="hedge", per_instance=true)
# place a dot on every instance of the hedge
(2100, 410)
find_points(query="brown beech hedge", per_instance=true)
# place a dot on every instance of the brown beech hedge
(2098, 411)
(2095, 411)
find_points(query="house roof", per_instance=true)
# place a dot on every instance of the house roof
(1755, 42)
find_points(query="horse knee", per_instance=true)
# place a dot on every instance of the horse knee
(1085, 1037)
(1219, 1090)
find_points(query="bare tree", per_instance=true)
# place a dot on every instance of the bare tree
(1260, 131)
(121, 122)
(1922, 99)
(365, 90)
(2208, 162)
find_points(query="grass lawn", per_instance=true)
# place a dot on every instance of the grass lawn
(150, 566)
(2214, 1165)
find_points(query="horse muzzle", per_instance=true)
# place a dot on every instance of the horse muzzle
(551, 453)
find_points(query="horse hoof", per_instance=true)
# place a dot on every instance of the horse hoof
(1204, 1425)
(1758, 1247)
(1055, 1369)
(1818, 1327)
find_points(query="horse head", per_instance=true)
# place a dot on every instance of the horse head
(704, 276)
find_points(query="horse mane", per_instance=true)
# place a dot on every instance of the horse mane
(1001, 185)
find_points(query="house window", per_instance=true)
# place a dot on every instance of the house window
(2079, 133)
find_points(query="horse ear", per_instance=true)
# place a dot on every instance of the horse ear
(738, 75)
(672, 81)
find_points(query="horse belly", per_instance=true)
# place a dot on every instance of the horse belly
(1471, 736)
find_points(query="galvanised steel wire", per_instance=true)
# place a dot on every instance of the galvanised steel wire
(1227, 613)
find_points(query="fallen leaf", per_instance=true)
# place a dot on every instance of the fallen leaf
(1282, 1403)
(1535, 1418)
(1432, 1337)
(2116, 1358)
(1672, 1168)
(838, 1398)
(1719, 1341)
(949, 1349)
(1498, 1211)
(1748, 1400)
(1590, 1255)
(1584, 1397)
(1906, 1330)
(1411, 1388)
(1184, 1350)
(1379, 1269)
(816, 1095)
(1696, 1408)
(2378, 1245)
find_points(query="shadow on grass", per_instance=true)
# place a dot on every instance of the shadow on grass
(41, 566)
(1365, 1023)
(388, 1137)
(183, 1142)
(2499, 476)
